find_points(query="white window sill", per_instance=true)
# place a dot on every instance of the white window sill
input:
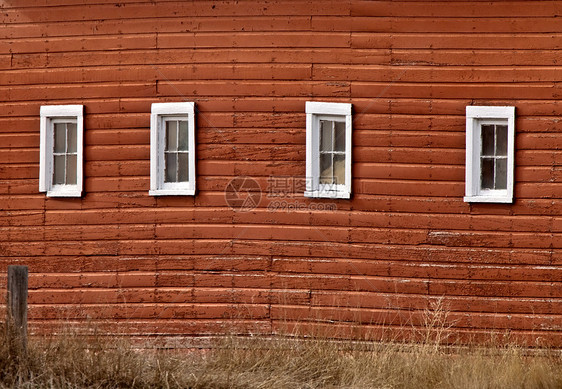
(488, 199)
(64, 192)
(172, 192)
(327, 194)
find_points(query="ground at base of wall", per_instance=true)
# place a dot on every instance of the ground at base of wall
(69, 360)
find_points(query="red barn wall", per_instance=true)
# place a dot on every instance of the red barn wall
(371, 266)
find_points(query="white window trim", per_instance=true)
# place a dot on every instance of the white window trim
(475, 115)
(48, 113)
(314, 110)
(159, 112)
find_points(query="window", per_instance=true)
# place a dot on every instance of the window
(490, 138)
(61, 150)
(328, 150)
(172, 149)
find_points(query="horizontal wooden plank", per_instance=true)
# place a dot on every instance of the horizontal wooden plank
(246, 245)
(454, 39)
(193, 55)
(536, 115)
(70, 44)
(153, 73)
(420, 24)
(488, 91)
(476, 57)
(420, 73)
(149, 327)
(452, 8)
(368, 203)
(417, 270)
(148, 311)
(40, 13)
(257, 40)
(253, 88)
(77, 92)
(170, 23)
(450, 303)
(166, 295)
(326, 299)
(304, 56)
(60, 217)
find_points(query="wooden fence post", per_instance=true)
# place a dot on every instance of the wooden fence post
(17, 304)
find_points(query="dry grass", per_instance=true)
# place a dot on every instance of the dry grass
(73, 361)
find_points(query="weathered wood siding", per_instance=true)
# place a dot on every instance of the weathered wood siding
(192, 265)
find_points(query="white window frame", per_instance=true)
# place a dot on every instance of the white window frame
(49, 115)
(159, 113)
(475, 117)
(315, 111)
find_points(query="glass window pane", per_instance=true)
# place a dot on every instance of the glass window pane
(71, 170)
(340, 136)
(182, 167)
(501, 173)
(171, 135)
(171, 167)
(487, 171)
(183, 135)
(326, 169)
(326, 135)
(488, 140)
(58, 169)
(60, 137)
(501, 140)
(339, 169)
(71, 139)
